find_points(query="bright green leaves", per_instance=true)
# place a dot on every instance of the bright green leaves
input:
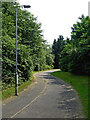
(74, 55)
(79, 47)
(32, 51)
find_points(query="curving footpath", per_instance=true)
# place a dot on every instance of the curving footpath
(48, 97)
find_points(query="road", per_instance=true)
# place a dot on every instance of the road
(48, 97)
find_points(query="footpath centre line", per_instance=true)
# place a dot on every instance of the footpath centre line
(31, 101)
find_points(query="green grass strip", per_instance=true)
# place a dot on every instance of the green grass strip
(11, 91)
(79, 83)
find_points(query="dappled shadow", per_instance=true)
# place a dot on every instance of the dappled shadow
(68, 100)
(53, 80)
(47, 77)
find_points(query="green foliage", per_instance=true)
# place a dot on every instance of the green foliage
(32, 50)
(57, 48)
(74, 54)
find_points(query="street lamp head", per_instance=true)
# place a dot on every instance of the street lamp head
(27, 6)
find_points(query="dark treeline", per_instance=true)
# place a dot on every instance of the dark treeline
(32, 50)
(73, 54)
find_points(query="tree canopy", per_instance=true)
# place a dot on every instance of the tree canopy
(32, 49)
(74, 55)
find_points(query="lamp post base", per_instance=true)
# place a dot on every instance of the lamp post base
(16, 85)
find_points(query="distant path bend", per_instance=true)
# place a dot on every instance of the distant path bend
(50, 97)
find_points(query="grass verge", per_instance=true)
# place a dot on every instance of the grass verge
(11, 91)
(45, 81)
(79, 83)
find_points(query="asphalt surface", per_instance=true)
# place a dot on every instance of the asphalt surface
(48, 97)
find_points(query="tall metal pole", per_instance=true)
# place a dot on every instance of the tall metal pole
(16, 78)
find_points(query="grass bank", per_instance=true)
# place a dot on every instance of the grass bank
(11, 91)
(79, 83)
(6, 93)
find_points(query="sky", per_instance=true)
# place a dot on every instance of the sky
(57, 16)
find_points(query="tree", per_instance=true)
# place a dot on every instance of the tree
(57, 47)
(31, 47)
(75, 55)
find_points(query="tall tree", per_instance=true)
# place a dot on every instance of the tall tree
(75, 56)
(31, 47)
(57, 47)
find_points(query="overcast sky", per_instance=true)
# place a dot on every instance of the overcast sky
(57, 16)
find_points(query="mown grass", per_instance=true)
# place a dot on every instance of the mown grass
(11, 91)
(45, 81)
(79, 83)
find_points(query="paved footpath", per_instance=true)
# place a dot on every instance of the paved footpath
(48, 97)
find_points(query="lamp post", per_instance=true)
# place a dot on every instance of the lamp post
(16, 76)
